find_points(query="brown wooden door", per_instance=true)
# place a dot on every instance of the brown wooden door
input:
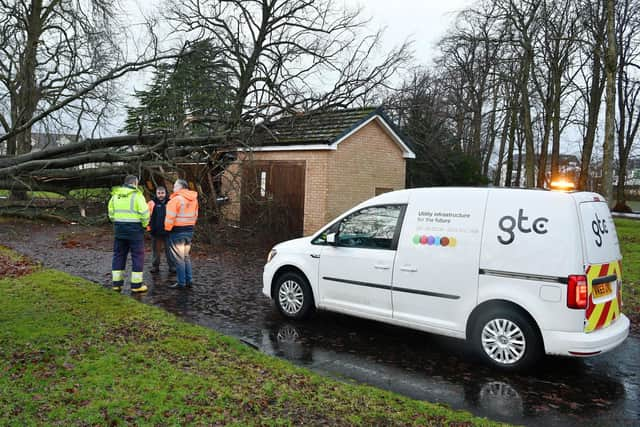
(273, 197)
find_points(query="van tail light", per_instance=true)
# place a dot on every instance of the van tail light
(577, 291)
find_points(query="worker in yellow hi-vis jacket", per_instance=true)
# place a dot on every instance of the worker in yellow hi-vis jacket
(130, 216)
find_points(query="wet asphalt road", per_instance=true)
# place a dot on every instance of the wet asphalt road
(227, 297)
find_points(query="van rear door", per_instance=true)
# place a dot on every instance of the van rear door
(603, 265)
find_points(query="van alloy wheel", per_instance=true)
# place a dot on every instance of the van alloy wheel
(506, 337)
(291, 297)
(503, 341)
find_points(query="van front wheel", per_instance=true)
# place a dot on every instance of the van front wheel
(293, 296)
(506, 339)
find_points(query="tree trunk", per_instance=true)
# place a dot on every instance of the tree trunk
(491, 135)
(519, 166)
(595, 95)
(503, 141)
(512, 139)
(460, 127)
(27, 98)
(610, 115)
(526, 122)
(555, 145)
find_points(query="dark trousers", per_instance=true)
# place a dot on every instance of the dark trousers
(121, 249)
(156, 243)
(180, 246)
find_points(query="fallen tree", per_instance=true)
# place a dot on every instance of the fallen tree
(98, 163)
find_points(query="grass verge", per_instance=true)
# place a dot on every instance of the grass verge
(629, 236)
(72, 353)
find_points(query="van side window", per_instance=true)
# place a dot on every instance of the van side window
(372, 228)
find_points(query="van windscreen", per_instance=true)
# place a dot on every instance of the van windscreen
(599, 232)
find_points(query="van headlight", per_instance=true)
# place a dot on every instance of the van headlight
(272, 254)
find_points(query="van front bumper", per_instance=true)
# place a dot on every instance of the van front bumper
(581, 344)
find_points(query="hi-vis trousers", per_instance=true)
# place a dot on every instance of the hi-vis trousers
(121, 249)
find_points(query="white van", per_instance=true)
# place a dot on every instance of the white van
(518, 273)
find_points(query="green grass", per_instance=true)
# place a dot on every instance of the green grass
(85, 193)
(91, 193)
(72, 353)
(629, 236)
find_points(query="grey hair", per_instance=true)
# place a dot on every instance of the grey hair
(131, 180)
(182, 183)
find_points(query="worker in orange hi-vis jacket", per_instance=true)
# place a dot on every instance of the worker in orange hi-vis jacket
(180, 220)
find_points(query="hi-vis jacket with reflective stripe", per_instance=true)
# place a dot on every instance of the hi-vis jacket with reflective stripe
(127, 205)
(182, 211)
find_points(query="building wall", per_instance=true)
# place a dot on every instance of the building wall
(367, 160)
(315, 197)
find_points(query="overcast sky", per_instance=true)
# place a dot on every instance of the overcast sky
(423, 21)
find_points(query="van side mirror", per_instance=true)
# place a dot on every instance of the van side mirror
(331, 239)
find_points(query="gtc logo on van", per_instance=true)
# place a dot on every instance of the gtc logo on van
(599, 227)
(508, 225)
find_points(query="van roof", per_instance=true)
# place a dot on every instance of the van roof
(402, 196)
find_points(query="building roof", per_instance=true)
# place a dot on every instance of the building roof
(322, 129)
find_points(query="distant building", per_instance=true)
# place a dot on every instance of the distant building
(633, 173)
(41, 141)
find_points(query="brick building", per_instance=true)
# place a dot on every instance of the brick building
(303, 170)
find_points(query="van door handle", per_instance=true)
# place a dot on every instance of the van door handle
(409, 269)
(315, 255)
(381, 267)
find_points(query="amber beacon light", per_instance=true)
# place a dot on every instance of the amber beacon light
(562, 185)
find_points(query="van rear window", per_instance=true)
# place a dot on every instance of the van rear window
(599, 233)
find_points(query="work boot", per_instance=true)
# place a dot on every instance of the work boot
(141, 288)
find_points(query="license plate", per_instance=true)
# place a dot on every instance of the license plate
(601, 290)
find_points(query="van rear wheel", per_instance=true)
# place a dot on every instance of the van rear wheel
(293, 296)
(506, 339)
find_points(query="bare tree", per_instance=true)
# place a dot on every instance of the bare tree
(594, 19)
(523, 17)
(553, 75)
(58, 63)
(284, 54)
(628, 88)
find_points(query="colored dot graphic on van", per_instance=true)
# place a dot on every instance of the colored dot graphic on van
(443, 241)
